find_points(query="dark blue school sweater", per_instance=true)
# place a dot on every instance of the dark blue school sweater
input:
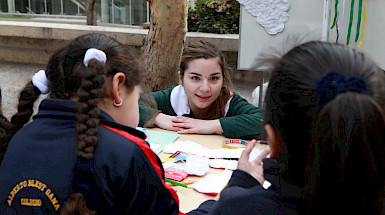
(36, 172)
(244, 195)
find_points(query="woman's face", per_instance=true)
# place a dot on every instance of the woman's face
(202, 81)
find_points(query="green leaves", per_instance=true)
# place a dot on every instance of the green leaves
(214, 16)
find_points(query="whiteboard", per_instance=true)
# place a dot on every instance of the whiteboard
(314, 17)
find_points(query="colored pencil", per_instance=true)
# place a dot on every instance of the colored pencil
(176, 183)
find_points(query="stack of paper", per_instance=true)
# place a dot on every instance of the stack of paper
(158, 140)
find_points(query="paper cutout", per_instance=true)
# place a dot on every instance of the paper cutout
(212, 184)
(175, 174)
(271, 14)
(223, 164)
(159, 138)
(197, 165)
(176, 157)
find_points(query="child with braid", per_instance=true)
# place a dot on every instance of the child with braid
(81, 154)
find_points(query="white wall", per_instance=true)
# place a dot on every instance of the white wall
(314, 17)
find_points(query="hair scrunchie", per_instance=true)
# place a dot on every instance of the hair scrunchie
(333, 84)
(96, 54)
(40, 81)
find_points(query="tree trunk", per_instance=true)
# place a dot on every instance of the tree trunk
(91, 12)
(1, 107)
(164, 42)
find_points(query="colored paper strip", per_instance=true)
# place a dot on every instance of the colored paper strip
(335, 13)
(350, 22)
(358, 21)
(363, 26)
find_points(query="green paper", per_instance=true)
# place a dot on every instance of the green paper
(358, 21)
(350, 22)
(335, 14)
(160, 138)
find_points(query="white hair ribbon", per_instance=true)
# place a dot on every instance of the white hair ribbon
(40, 81)
(96, 54)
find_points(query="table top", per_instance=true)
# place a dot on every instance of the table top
(190, 199)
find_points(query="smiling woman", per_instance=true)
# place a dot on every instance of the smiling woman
(203, 103)
(202, 82)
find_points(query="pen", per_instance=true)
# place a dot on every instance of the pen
(264, 142)
(176, 183)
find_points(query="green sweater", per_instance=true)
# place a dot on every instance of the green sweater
(243, 120)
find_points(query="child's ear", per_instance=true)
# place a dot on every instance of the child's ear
(118, 81)
(273, 140)
(180, 78)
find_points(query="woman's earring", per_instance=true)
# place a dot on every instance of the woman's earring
(118, 104)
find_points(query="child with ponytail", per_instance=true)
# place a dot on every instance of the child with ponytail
(324, 122)
(346, 167)
(81, 154)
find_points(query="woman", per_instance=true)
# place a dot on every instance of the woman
(203, 103)
(274, 185)
(81, 153)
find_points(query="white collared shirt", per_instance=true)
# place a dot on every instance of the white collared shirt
(179, 101)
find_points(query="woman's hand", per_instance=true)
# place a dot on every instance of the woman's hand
(165, 121)
(255, 167)
(196, 126)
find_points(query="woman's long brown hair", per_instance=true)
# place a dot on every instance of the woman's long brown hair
(206, 50)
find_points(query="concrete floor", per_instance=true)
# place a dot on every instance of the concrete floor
(13, 77)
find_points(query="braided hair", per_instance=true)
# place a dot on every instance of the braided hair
(28, 96)
(69, 78)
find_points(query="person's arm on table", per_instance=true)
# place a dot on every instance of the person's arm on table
(164, 117)
(189, 125)
(150, 105)
(147, 115)
(243, 120)
(204, 208)
(165, 122)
